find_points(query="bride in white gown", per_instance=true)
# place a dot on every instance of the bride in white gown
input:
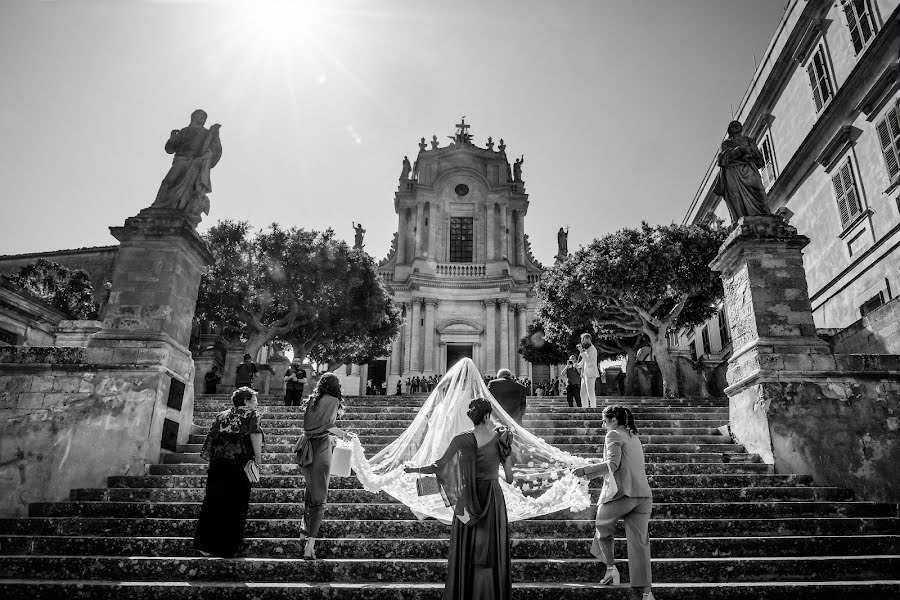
(543, 474)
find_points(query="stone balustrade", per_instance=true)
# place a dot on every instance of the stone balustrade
(467, 270)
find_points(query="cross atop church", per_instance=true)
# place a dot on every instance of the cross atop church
(462, 134)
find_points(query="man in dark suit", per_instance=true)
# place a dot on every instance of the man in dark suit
(509, 393)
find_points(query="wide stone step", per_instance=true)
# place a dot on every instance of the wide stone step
(591, 433)
(672, 468)
(435, 570)
(275, 495)
(17, 589)
(437, 548)
(397, 511)
(293, 481)
(413, 528)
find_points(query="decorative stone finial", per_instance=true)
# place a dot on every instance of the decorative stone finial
(422, 144)
(490, 143)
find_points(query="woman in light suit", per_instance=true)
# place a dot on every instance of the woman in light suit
(624, 457)
(589, 370)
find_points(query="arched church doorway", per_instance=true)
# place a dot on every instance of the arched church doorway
(455, 353)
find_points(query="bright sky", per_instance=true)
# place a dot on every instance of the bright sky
(618, 106)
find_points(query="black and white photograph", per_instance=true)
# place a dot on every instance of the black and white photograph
(405, 300)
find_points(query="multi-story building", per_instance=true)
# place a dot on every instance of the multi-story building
(824, 109)
(460, 267)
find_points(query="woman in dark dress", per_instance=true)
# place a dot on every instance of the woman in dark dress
(234, 439)
(314, 449)
(479, 563)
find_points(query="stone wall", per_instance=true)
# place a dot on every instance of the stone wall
(876, 333)
(67, 420)
(97, 262)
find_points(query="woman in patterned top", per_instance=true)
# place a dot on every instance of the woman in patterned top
(234, 439)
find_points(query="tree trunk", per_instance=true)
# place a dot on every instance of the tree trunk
(666, 366)
(256, 341)
(300, 350)
(630, 371)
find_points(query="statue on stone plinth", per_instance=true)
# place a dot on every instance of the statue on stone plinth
(404, 172)
(415, 171)
(422, 144)
(739, 182)
(197, 150)
(562, 241)
(358, 236)
(517, 168)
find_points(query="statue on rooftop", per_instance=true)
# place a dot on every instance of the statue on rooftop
(517, 168)
(407, 168)
(422, 145)
(562, 241)
(434, 142)
(197, 150)
(738, 181)
(358, 236)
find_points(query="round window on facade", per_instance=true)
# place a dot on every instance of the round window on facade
(462, 189)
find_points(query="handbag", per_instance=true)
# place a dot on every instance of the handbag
(427, 486)
(340, 459)
(251, 470)
(610, 489)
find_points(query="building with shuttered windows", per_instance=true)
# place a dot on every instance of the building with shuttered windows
(824, 109)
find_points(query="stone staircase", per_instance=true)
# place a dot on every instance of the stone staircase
(724, 524)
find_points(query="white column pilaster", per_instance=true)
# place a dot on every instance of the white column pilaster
(401, 237)
(416, 311)
(420, 226)
(490, 240)
(490, 339)
(430, 309)
(503, 238)
(504, 334)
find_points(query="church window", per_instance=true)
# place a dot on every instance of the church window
(704, 335)
(888, 130)
(846, 193)
(859, 22)
(461, 238)
(820, 78)
(724, 330)
(462, 190)
(768, 170)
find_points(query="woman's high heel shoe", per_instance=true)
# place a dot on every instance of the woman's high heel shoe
(612, 576)
(647, 596)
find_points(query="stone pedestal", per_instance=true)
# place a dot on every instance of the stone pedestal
(790, 401)
(279, 365)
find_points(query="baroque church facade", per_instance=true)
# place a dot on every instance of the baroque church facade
(460, 266)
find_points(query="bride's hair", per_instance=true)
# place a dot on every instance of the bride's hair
(479, 409)
(329, 385)
(622, 415)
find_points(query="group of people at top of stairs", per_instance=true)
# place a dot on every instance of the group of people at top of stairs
(467, 473)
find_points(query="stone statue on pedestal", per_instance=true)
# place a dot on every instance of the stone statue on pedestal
(197, 150)
(739, 182)
(562, 241)
(358, 236)
(407, 168)
(517, 168)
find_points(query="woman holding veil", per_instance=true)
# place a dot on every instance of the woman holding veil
(542, 480)
(479, 564)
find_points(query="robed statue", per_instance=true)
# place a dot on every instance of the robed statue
(739, 182)
(197, 150)
(562, 240)
(358, 236)
(517, 168)
(404, 172)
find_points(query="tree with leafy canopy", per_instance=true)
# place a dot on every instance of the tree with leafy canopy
(645, 281)
(68, 290)
(304, 287)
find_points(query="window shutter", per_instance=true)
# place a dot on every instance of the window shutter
(841, 200)
(888, 138)
(814, 84)
(853, 25)
(853, 207)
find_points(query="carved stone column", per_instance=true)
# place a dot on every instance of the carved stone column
(430, 309)
(478, 358)
(442, 358)
(420, 225)
(523, 329)
(401, 237)
(490, 336)
(503, 238)
(520, 239)
(415, 343)
(433, 230)
(491, 236)
(395, 357)
(504, 334)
